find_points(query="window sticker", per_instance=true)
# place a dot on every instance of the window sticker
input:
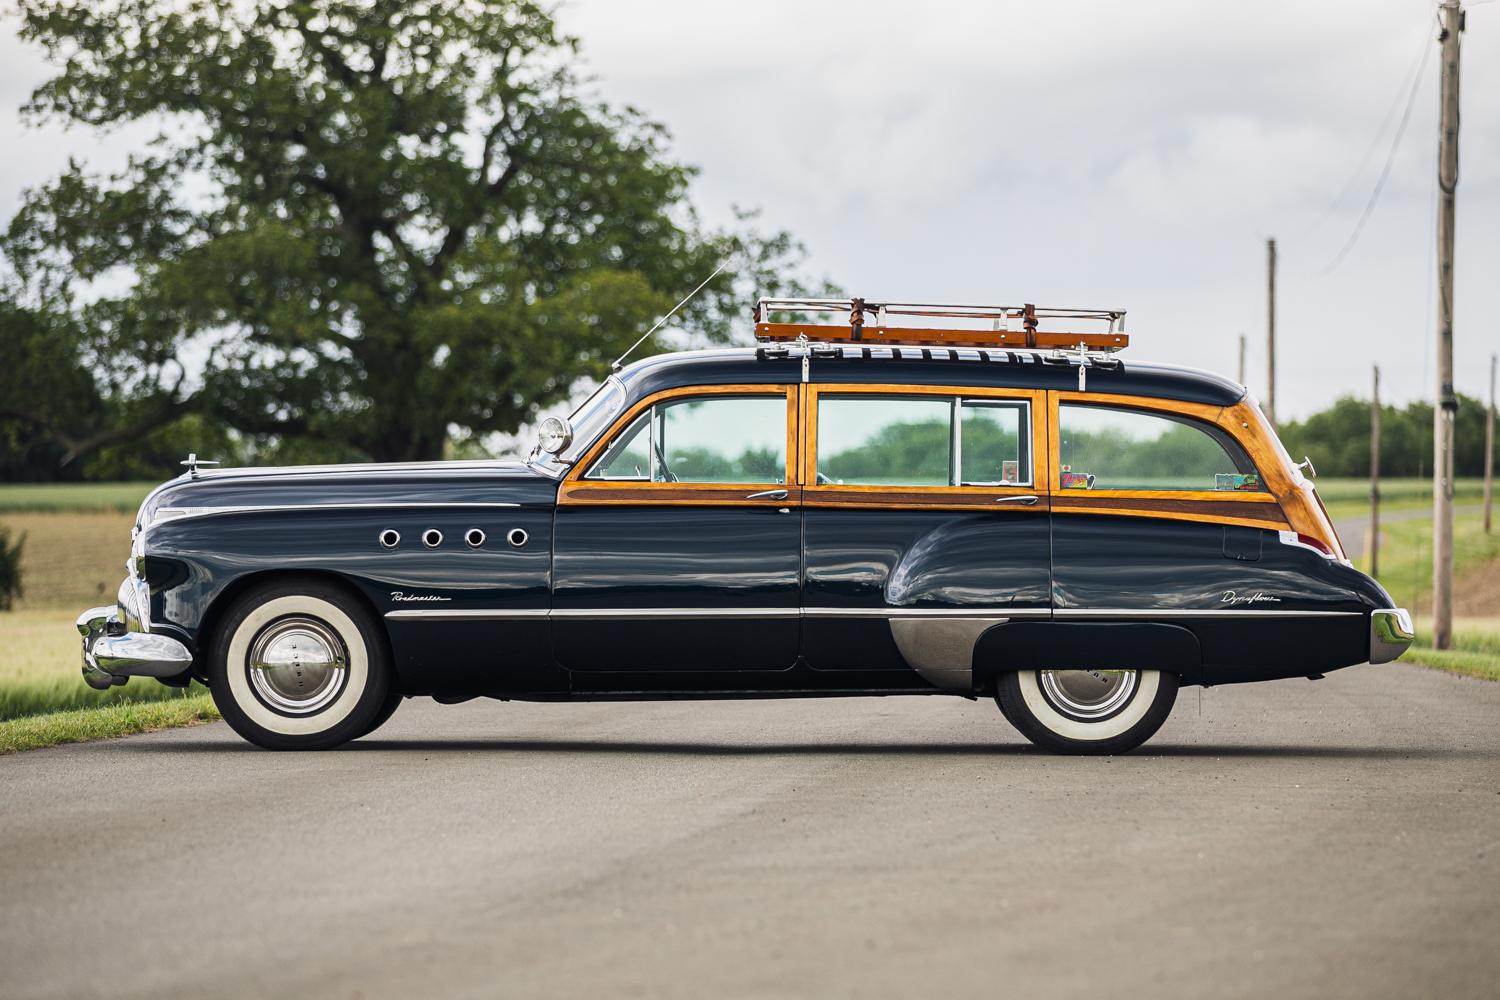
(1231, 481)
(1070, 480)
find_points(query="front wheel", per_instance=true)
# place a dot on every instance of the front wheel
(1087, 711)
(299, 665)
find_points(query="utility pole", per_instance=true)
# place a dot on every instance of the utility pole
(1489, 451)
(1271, 331)
(1374, 545)
(1447, 403)
(1242, 359)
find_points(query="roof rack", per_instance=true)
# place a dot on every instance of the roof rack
(978, 326)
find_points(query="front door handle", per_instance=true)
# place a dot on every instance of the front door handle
(768, 495)
(1028, 500)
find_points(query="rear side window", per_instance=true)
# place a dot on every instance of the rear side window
(867, 440)
(1111, 448)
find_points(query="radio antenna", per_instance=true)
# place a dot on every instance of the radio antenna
(621, 359)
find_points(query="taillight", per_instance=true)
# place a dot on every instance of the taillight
(1307, 542)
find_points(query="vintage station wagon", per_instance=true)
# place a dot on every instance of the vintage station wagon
(864, 509)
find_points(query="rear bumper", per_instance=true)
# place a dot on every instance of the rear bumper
(1391, 632)
(112, 655)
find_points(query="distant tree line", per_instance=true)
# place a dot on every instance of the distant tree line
(1338, 438)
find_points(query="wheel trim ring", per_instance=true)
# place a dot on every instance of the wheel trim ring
(1088, 695)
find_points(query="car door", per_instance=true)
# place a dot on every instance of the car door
(1161, 515)
(676, 545)
(926, 523)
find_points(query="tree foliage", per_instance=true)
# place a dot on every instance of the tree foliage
(363, 222)
(1338, 438)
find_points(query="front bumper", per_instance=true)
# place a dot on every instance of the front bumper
(1391, 632)
(112, 654)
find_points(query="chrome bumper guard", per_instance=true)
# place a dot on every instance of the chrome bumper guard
(112, 655)
(1391, 632)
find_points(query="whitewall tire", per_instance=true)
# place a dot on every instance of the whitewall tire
(1087, 711)
(299, 665)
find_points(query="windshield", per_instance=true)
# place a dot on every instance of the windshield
(592, 417)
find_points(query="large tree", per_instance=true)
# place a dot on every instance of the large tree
(363, 221)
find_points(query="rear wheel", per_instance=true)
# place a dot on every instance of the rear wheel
(1087, 711)
(299, 665)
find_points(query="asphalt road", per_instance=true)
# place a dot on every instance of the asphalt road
(1336, 839)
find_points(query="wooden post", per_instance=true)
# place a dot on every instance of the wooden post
(1374, 545)
(1489, 451)
(1447, 403)
(1271, 331)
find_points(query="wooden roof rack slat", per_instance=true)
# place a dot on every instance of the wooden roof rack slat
(982, 326)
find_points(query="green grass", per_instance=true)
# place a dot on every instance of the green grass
(53, 497)
(33, 732)
(40, 669)
(1475, 652)
(1406, 558)
(1347, 498)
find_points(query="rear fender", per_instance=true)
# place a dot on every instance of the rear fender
(1051, 645)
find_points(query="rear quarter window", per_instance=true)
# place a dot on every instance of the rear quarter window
(1117, 448)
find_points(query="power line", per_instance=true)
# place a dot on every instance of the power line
(1385, 171)
(1413, 71)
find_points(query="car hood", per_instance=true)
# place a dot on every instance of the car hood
(339, 485)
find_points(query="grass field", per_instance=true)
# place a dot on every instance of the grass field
(1346, 498)
(1406, 564)
(123, 497)
(40, 669)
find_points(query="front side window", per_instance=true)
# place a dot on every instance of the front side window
(729, 439)
(1109, 448)
(868, 440)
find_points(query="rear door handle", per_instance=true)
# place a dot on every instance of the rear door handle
(1028, 500)
(768, 495)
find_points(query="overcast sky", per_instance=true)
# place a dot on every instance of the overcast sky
(1096, 154)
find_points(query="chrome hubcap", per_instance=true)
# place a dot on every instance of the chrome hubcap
(297, 665)
(1089, 694)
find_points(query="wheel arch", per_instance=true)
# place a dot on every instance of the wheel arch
(1053, 645)
(225, 599)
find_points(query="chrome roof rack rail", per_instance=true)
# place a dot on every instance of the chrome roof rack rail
(961, 325)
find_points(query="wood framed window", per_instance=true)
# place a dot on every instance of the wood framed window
(1113, 454)
(922, 446)
(725, 445)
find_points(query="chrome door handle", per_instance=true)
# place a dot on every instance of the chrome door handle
(768, 495)
(1028, 500)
